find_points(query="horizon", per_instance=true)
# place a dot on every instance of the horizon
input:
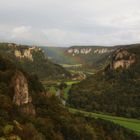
(78, 45)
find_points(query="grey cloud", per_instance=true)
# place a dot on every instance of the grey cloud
(66, 22)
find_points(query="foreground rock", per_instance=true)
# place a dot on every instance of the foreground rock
(22, 97)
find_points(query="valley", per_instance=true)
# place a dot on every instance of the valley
(131, 124)
(77, 101)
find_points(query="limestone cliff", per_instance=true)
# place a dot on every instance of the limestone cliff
(85, 51)
(26, 53)
(22, 97)
(122, 59)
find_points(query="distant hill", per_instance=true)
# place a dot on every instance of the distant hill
(33, 60)
(114, 90)
(89, 56)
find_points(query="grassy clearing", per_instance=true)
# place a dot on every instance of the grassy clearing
(90, 72)
(69, 66)
(69, 83)
(52, 88)
(132, 124)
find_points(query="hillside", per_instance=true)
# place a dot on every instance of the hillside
(27, 114)
(33, 60)
(114, 90)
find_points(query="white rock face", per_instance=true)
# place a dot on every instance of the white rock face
(102, 51)
(21, 90)
(86, 51)
(123, 64)
(122, 58)
(26, 53)
(70, 51)
(22, 97)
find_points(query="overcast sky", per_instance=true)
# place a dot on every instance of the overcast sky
(70, 22)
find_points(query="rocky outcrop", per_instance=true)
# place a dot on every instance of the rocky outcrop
(20, 83)
(103, 50)
(122, 59)
(86, 51)
(75, 51)
(26, 53)
(22, 97)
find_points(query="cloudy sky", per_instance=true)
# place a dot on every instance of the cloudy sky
(70, 22)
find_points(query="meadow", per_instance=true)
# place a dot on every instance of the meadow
(131, 124)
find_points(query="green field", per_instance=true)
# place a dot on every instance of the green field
(52, 87)
(69, 66)
(132, 124)
(70, 82)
